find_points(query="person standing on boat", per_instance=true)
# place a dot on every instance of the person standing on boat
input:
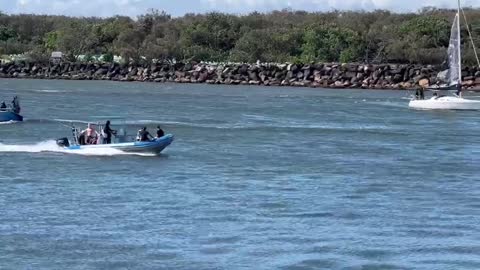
(107, 133)
(459, 90)
(420, 93)
(3, 107)
(90, 135)
(160, 132)
(15, 105)
(143, 135)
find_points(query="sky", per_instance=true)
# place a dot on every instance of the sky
(105, 8)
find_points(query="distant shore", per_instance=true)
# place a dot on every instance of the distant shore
(331, 75)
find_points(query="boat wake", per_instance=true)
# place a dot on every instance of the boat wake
(389, 103)
(8, 122)
(52, 147)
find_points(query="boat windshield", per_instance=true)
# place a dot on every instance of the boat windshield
(119, 124)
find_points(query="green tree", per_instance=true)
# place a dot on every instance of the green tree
(268, 46)
(51, 41)
(75, 39)
(8, 41)
(436, 29)
(129, 44)
(331, 43)
(420, 40)
(152, 18)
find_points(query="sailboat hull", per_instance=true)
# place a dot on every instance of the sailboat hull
(445, 103)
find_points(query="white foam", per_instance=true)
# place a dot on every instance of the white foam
(51, 146)
(70, 121)
(8, 122)
(257, 117)
(50, 91)
(389, 104)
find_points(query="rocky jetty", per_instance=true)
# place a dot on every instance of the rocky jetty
(385, 76)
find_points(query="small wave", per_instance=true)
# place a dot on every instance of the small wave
(78, 121)
(288, 96)
(389, 104)
(261, 123)
(50, 91)
(253, 125)
(51, 146)
(257, 117)
(8, 122)
(296, 126)
(70, 121)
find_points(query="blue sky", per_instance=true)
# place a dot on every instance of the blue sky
(179, 7)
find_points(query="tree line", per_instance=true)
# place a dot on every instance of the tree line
(280, 36)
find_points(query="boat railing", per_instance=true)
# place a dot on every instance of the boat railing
(120, 136)
(8, 109)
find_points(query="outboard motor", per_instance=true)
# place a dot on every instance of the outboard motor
(63, 142)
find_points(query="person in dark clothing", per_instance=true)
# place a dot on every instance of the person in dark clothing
(420, 93)
(15, 105)
(3, 107)
(81, 139)
(143, 135)
(160, 132)
(107, 133)
(459, 90)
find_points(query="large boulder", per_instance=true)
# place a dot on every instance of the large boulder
(101, 71)
(252, 76)
(202, 77)
(397, 78)
(306, 74)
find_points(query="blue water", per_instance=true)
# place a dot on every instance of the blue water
(258, 178)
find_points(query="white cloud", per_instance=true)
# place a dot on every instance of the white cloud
(323, 5)
(180, 7)
(78, 7)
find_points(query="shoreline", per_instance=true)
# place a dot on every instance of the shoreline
(327, 75)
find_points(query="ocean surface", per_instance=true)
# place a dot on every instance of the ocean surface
(257, 178)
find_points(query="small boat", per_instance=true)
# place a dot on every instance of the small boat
(11, 114)
(155, 146)
(453, 77)
(122, 142)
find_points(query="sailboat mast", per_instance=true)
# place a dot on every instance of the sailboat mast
(459, 52)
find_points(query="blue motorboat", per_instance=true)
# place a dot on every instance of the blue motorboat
(12, 113)
(121, 142)
(155, 146)
(10, 116)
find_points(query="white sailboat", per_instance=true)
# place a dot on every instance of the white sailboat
(454, 77)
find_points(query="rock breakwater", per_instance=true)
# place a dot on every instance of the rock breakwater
(384, 76)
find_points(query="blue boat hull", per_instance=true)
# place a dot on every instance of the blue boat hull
(153, 147)
(10, 116)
